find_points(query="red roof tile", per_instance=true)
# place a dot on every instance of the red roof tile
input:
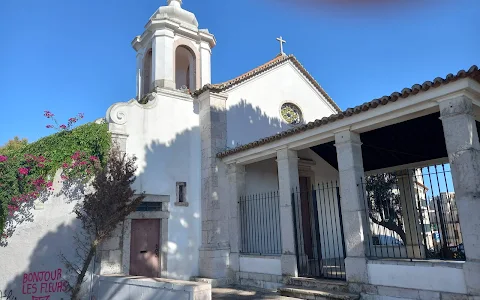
(279, 59)
(473, 73)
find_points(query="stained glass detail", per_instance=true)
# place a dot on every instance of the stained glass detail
(291, 113)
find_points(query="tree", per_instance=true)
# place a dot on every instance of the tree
(14, 144)
(102, 210)
(384, 203)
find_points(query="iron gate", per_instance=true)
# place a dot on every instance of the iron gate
(319, 239)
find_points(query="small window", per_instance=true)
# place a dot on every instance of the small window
(181, 194)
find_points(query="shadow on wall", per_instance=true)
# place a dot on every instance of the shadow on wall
(179, 160)
(44, 278)
(165, 164)
(71, 190)
(246, 124)
(24, 214)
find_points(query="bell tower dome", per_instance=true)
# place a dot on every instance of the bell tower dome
(173, 53)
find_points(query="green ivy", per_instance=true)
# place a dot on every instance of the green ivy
(92, 139)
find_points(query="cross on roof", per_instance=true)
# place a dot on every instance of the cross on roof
(282, 41)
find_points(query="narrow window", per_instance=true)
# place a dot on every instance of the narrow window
(181, 194)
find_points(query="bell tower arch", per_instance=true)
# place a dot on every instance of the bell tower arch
(173, 53)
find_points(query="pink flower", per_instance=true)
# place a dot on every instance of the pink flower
(80, 115)
(72, 120)
(76, 155)
(50, 185)
(63, 126)
(65, 165)
(23, 171)
(49, 126)
(48, 114)
(93, 158)
(63, 177)
(3, 158)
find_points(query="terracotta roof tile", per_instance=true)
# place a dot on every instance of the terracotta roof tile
(220, 87)
(473, 73)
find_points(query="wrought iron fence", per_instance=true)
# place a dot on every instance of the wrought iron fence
(260, 224)
(319, 239)
(412, 214)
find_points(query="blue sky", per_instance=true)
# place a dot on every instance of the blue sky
(75, 56)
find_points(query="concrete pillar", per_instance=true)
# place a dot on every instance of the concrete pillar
(411, 215)
(350, 168)
(215, 249)
(236, 182)
(463, 147)
(287, 161)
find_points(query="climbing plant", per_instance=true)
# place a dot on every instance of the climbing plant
(27, 172)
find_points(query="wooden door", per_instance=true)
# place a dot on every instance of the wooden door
(145, 248)
(306, 220)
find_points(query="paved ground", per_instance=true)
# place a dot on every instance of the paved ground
(242, 293)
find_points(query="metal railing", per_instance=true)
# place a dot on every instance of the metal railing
(260, 224)
(412, 214)
(319, 238)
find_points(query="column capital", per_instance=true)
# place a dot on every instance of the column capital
(235, 168)
(461, 105)
(347, 137)
(285, 153)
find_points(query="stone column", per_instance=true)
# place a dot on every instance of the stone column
(163, 56)
(463, 147)
(350, 168)
(411, 215)
(287, 161)
(214, 252)
(236, 182)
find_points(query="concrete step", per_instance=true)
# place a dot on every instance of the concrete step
(315, 294)
(213, 282)
(319, 284)
(246, 293)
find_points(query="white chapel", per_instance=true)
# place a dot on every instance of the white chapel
(261, 181)
(180, 120)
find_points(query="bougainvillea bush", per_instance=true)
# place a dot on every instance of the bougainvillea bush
(26, 173)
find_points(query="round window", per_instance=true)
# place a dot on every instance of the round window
(291, 113)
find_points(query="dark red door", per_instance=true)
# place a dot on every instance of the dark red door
(144, 248)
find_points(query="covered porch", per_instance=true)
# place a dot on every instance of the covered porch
(384, 196)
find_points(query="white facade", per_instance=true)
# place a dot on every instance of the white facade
(165, 132)
(162, 127)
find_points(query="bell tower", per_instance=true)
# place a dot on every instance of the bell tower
(172, 53)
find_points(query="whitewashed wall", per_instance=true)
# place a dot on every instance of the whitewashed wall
(266, 265)
(261, 177)
(164, 136)
(440, 277)
(34, 249)
(254, 106)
